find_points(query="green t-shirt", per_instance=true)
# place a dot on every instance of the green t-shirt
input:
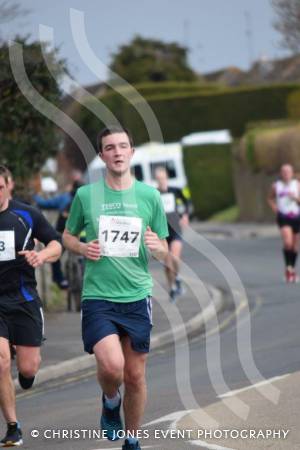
(119, 219)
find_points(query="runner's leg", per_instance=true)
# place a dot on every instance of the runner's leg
(176, 249)
(287, 238)
(7, 389)
(296, 241)
(110, 364)
(135, 386)
(28, 360)
(294, 254)
(169, 269)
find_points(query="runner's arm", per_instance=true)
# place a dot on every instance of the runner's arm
(43, 231)
(157, 247)
(297, 198)
(57, 202)
(90, 250)
(50, 253)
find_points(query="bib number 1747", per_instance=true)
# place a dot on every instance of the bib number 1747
(120, 236)
(126, 236)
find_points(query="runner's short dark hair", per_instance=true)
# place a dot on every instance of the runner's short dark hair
(112, 129)
(5, 173)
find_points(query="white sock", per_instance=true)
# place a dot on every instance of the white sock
(112, 402)
(132, 440)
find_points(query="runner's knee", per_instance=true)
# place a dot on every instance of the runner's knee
(134, 377)
(29, 367)
(5, 363)
(111, 370)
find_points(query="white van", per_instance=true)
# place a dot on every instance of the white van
(145, 160)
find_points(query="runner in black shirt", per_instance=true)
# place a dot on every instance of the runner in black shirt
(21, 317)
(176, 209)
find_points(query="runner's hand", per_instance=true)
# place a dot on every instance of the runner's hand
(92, 250)
(184, 221)
(294, 197)
(34, 259)
(152, 241)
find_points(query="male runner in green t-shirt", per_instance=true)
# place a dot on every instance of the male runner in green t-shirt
(124, 220)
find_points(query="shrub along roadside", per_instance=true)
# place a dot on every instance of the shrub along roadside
(185, 110)
(209, 174)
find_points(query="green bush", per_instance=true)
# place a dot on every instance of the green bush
(228, 215)
(181, 109)
(209, 173)
(266, 147)
(293, 105)
(161, 89)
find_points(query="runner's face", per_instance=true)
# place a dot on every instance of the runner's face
(4, 194)
(287, 173)
(117, 153)
(162, 180)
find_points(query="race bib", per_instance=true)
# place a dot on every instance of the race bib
(169, 202)
(120, 236)
(7, 246)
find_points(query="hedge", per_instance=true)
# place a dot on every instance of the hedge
(182, 112)
(173, 87)
(257, 159)
(209, 174)
(266, 148)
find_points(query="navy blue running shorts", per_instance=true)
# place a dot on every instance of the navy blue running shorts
(173, 236)
(100, 318)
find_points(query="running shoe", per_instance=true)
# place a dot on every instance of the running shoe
(179, 286)
(24, 382)
(111, 421)
(128, 446)
(289, 275)
(173, 295)
(294, 277)
(13, 437)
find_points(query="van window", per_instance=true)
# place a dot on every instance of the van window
(137, 171)
(168, 165)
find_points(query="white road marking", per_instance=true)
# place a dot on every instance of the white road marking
(118, 448)
(253, 386)
(209, 446)
(173, 417)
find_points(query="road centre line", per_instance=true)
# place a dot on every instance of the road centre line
(209, 446)
(118, 448)
(253, 386)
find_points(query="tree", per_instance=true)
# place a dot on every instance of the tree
(151, 60)
(27, 137)
(288, 23)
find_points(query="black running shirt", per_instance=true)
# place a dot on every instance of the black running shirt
(20, 224)
(175, 205)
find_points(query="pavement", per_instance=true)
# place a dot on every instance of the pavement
(63, 354)
(235, 230)
(269, 423)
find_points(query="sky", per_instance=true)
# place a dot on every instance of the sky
(218, 33)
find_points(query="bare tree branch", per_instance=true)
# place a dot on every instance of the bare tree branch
(288, 23)
(11, 10)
